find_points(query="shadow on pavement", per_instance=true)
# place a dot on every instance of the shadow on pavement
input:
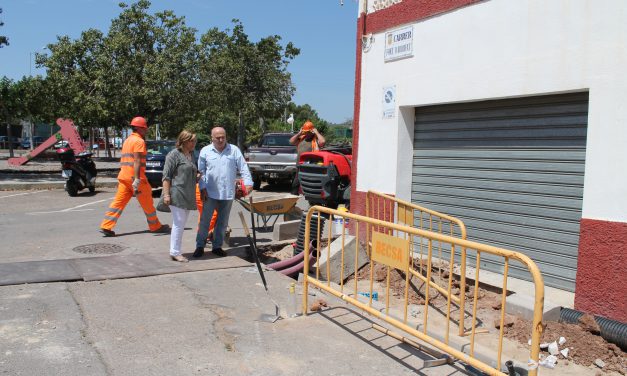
(361, 327)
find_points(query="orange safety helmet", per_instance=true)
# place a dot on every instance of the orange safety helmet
(139, 122)
(308, 126)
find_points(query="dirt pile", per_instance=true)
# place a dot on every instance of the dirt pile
(274, 253)
(584, 344)
(418, 287)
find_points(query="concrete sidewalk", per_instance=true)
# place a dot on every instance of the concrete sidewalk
(204, 322)
(111, 315)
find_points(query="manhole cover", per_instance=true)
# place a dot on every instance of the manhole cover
(99, 249)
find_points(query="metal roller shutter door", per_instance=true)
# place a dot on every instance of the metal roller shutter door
(513, 171)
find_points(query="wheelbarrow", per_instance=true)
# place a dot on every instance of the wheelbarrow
(267, 207)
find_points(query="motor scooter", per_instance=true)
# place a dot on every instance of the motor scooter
(78, 170)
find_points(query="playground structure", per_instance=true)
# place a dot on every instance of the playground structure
(67, 132)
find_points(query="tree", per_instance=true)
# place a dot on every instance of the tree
(3, 39)
(154, 66)
(77, 80)
(140, 68)
(31, 101)
(8, 106)
(237, 75)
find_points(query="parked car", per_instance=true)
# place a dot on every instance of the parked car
(155, 159)
(37, 140)
(4, 142)
(156, 151)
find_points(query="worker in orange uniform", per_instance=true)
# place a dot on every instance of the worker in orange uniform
(306, 140)
(132, 182)
(214, 217)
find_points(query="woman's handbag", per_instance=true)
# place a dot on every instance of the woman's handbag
(162, 206)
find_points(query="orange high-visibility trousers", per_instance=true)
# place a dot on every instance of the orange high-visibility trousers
(123, 196)
(199, 205)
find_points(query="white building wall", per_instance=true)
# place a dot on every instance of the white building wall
(502, 49)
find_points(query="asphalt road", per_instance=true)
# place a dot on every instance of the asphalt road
(188, 323)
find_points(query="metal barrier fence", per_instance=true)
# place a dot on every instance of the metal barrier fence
(388, 244)
(381, 206)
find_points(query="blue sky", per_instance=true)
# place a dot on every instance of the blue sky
(324, 72)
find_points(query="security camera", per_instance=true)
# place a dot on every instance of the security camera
(341, 2)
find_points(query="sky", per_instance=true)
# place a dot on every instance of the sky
(324, 30)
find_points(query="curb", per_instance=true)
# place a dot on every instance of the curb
(51, 171)
(27, 186)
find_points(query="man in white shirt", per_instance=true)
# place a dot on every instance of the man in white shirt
(218, 165)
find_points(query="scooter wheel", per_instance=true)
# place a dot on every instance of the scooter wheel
(71, 188)
(92, 189)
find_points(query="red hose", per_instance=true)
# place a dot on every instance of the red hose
(287, 262)
(290, 272)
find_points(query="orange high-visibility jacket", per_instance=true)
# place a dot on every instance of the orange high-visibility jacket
(133, 144)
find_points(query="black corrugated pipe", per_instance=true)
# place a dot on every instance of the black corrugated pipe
(313, 231)
(611, 330)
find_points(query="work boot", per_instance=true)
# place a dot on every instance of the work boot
(218, 252)
(107, 233)
(198, 252)
(164, 229)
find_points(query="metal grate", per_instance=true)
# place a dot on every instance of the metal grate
(99, 249)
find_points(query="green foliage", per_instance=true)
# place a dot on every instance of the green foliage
(237, 75)
(8, 100)
(4, 41)
(24, 99)
(152, 64)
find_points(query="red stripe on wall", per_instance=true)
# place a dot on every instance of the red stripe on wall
(410, 11)
(601, 287)
(357, 202)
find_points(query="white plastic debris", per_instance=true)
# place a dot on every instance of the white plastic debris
(529, 342)
(544, 345)
(549, 362)
(553, 349)
(564, 352)
(561, 341)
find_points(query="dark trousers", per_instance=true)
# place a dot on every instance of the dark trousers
(295, 185)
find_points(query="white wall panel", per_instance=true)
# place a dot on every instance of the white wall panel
(501, 49)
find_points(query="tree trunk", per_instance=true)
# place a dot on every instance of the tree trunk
(10, 137)
(262, 124)
(106, 137)
(32, 130)
(241, 132)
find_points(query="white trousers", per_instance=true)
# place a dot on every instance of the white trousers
(179, 218)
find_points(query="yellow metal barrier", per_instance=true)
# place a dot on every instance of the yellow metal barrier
(382, 207)
(389, 244)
